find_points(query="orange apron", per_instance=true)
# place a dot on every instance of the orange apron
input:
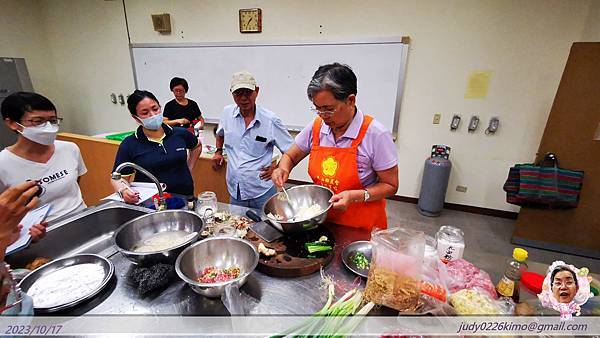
(337, 169)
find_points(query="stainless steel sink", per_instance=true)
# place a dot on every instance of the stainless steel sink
(89, 231)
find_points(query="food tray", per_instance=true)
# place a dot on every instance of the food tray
(58, 264)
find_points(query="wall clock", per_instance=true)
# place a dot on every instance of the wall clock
(250, 20)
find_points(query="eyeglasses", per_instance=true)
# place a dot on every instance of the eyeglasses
(322, 111)
(568, 283)
(243, 92)
(38, 121)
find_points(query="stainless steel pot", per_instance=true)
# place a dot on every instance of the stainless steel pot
(300, 196)
(220, 252)
(130, 234)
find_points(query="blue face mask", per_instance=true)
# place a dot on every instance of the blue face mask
(153, 122)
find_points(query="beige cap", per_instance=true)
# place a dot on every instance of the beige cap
(243, 79)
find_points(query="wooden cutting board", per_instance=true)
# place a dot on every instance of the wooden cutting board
(291, 260)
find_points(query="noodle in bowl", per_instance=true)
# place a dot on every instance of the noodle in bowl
(306, 209)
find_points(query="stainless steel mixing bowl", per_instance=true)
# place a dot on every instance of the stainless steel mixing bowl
(301, 196)
(220, 252)
(130, 234)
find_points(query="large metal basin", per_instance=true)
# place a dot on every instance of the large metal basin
(300, 196)
(220, 252)
(130, 234)
(90, 231)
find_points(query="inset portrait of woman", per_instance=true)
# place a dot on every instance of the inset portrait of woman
(564, 284)
(565, 289)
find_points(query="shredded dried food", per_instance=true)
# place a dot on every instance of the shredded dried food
(213, 274)
(66, 285)
(396, 291)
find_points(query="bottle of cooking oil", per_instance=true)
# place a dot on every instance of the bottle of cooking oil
(508, 286)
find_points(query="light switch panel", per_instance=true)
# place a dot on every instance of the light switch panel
(473, 123)
(493, 126)
(455, 122)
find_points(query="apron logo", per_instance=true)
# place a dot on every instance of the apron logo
(329, 166)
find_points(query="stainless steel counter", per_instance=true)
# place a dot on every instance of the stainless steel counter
(91, 232)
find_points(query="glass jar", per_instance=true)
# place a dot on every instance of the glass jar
(206, 205)
(450, 243)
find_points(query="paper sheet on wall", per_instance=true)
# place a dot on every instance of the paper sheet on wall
(35, 216)
(477, 87)
(146, 191)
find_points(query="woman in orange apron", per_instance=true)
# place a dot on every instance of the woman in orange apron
(349, 152)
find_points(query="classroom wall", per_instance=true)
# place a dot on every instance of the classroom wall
(524, 43)
(89, 49)
(591, 32)
(22, 35)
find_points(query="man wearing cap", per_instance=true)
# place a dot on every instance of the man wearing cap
(248, 133)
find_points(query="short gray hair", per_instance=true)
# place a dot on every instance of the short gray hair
(337, 78)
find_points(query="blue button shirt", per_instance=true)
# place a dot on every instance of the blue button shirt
(250, 149)
(166, 160)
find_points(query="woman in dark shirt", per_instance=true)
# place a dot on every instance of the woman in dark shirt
(167, 153)
(181, 111)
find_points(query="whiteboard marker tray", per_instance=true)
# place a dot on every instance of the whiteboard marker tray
(47, 269)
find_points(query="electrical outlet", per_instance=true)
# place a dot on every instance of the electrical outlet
(437, 118)
(461, 188)
(597, 136)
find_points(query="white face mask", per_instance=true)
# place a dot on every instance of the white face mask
(43, 134)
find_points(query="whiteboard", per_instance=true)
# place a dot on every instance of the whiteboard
(282, 70)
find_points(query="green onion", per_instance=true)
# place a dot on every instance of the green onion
(322, 325)
(360, 260)
(313, 247)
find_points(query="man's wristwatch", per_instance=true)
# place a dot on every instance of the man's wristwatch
(219, 150)
(367, 195)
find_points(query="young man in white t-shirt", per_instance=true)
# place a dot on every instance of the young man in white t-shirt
(56, 165)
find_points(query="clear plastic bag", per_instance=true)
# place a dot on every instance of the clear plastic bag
(395, 272)
(477, 302)
(433, 281)
(464, 275)
(236, 301)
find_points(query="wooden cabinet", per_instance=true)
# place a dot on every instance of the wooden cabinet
(99, 156)
(570, 134)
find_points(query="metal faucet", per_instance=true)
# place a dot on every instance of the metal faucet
(116, 175)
